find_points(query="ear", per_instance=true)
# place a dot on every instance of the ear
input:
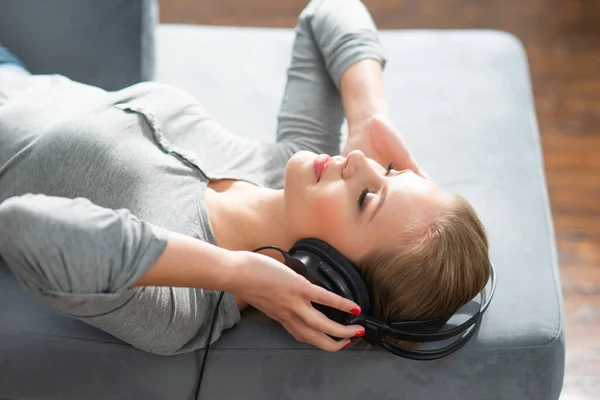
(341, 265)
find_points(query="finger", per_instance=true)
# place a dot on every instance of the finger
(424, 174)
(319, 322)
(418, 170)
(304, 334)
(323, 296)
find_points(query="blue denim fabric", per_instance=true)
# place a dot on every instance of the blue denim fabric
(9, 60)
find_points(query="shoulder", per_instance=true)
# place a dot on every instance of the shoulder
(155, 91)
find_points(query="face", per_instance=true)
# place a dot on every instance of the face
(355, 204)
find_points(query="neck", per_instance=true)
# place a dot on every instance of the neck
(244, 217)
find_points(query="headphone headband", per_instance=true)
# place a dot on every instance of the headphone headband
(423, 331)
(427, 355)
(324, 265)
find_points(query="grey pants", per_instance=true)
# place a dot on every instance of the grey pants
(81, 258)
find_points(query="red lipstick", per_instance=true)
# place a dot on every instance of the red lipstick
(319, 165)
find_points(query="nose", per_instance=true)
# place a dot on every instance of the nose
(356, 161)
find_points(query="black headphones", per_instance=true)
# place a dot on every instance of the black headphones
(323, 265)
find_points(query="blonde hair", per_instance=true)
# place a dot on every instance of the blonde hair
(443, 266)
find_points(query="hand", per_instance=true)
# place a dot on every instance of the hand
(286, 297)
(379, 140)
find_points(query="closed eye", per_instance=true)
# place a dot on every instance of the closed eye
(365, 192)
(389, 169)
(362, 198)
(383, 195)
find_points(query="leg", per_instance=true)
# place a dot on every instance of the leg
(331, 35)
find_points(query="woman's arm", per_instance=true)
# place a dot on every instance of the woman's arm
(370, 126)
(331, 36)
(257, 280)
(57, 245)
(349, 49)
(62, 245)
(362, 91)
(180, 266)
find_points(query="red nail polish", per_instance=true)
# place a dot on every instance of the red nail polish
(355, 311)
(346, 345)
(360, 334)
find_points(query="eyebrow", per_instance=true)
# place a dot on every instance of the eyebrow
(383, 197)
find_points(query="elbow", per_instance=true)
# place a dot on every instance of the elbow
(20, 246)
(14, 215)
(32, 242)
(24, 223)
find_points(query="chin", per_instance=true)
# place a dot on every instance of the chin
(299, 169)
(298, 182)
(302, 156)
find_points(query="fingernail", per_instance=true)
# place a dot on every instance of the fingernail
(355, 311)
(346, 345)
(360, 334)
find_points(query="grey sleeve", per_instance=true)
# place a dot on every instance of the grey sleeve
(344, 32)
(331, 35)
(61, 245)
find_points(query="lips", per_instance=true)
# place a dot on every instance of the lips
(319, 165)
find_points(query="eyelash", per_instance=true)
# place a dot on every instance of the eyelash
(365, 191)
(389, 169)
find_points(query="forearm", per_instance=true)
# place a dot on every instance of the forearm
(332, 36)
(362, 92)
(61, 245)
(190, 262)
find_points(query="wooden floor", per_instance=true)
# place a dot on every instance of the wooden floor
(562, 38)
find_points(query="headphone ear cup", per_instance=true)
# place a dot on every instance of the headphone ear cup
(342, 266)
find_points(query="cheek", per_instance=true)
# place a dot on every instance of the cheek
(339, 225)
(331, 214)
(329, 209)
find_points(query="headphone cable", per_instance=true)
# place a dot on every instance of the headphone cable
(214, 319)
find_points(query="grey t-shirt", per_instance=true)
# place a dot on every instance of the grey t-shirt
(90, 181)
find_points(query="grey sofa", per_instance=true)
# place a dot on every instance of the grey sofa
(463, 100)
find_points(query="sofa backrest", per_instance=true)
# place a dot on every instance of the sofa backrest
(107, 43)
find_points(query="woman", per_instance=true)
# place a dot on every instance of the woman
(130, 210)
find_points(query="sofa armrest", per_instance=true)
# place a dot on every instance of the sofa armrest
(107, 43)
